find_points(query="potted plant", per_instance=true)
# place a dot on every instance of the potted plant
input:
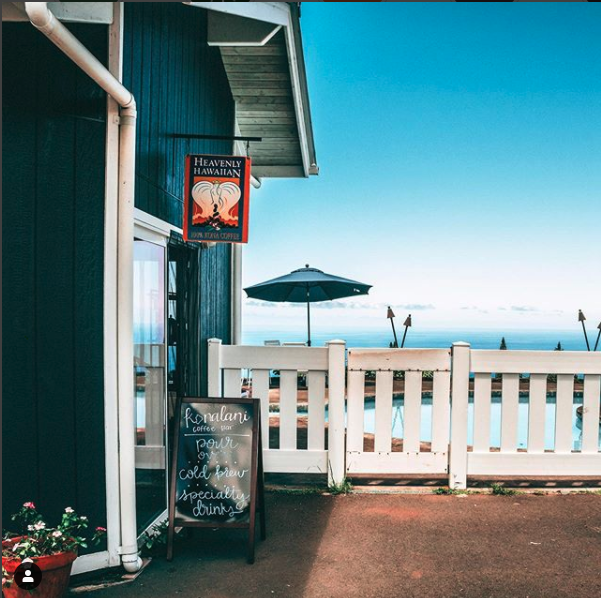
(52, 549)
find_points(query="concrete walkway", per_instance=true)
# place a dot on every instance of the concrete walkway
(383, 546)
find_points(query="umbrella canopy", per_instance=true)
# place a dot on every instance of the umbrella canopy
(307, 285)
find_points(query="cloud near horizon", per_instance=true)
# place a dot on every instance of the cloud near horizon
(529, 309)
(524, 308)
(474, 308)
(342, 305)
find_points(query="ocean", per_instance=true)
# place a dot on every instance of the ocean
(571, 340)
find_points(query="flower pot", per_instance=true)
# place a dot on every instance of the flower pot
(56, 571)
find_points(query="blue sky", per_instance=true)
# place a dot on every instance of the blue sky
(460, 155)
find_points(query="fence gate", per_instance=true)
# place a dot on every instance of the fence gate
(283, 454)
(417, 407)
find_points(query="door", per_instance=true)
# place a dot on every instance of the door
(150, 379)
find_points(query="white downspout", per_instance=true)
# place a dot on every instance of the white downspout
(125, 333)
(41, 18)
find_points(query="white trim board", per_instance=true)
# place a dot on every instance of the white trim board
(91, 562)
(153, 224)
(297, 95)
(67, 12)
(293, 461)
(545, 464)
(270, 12)
(396, 463)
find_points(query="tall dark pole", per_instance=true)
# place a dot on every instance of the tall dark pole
(390, 316)
(581, 319)
(406, 324)
(308, 318)
(598, 337)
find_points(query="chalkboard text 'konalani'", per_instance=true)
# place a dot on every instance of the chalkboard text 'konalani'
(222, 415)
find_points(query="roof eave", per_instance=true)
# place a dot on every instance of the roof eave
(287, 17)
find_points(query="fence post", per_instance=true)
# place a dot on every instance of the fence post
(336, 378)
(214, 368)
(460, 380)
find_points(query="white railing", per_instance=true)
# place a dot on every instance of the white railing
(530, 408)
(455, 448)
(225, 366)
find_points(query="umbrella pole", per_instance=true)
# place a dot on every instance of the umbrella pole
(308, 320)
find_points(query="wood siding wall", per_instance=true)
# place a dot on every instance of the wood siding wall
(180, 86)
(53, 229)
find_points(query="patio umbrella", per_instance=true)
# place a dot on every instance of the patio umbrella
(307, 285)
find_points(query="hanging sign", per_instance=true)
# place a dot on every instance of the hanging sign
(216, 197)
(217, 469)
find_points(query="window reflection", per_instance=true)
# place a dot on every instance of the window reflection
(150, 378)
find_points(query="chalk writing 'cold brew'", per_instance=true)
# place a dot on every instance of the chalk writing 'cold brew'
(205, 473)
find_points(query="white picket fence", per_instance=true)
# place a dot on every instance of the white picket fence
(448, 452)
(225, 366)
(534, 459)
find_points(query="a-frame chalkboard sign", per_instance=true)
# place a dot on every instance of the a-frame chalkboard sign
(217, 467)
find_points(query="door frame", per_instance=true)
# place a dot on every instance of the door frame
(154, 230)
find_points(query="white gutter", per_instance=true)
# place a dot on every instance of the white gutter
(41, 18)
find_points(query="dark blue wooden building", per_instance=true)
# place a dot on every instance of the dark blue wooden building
(106, 310)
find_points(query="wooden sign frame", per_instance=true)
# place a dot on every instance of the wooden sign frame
(257, 485)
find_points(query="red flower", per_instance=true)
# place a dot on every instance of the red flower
(29, 505)
(101, 529)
